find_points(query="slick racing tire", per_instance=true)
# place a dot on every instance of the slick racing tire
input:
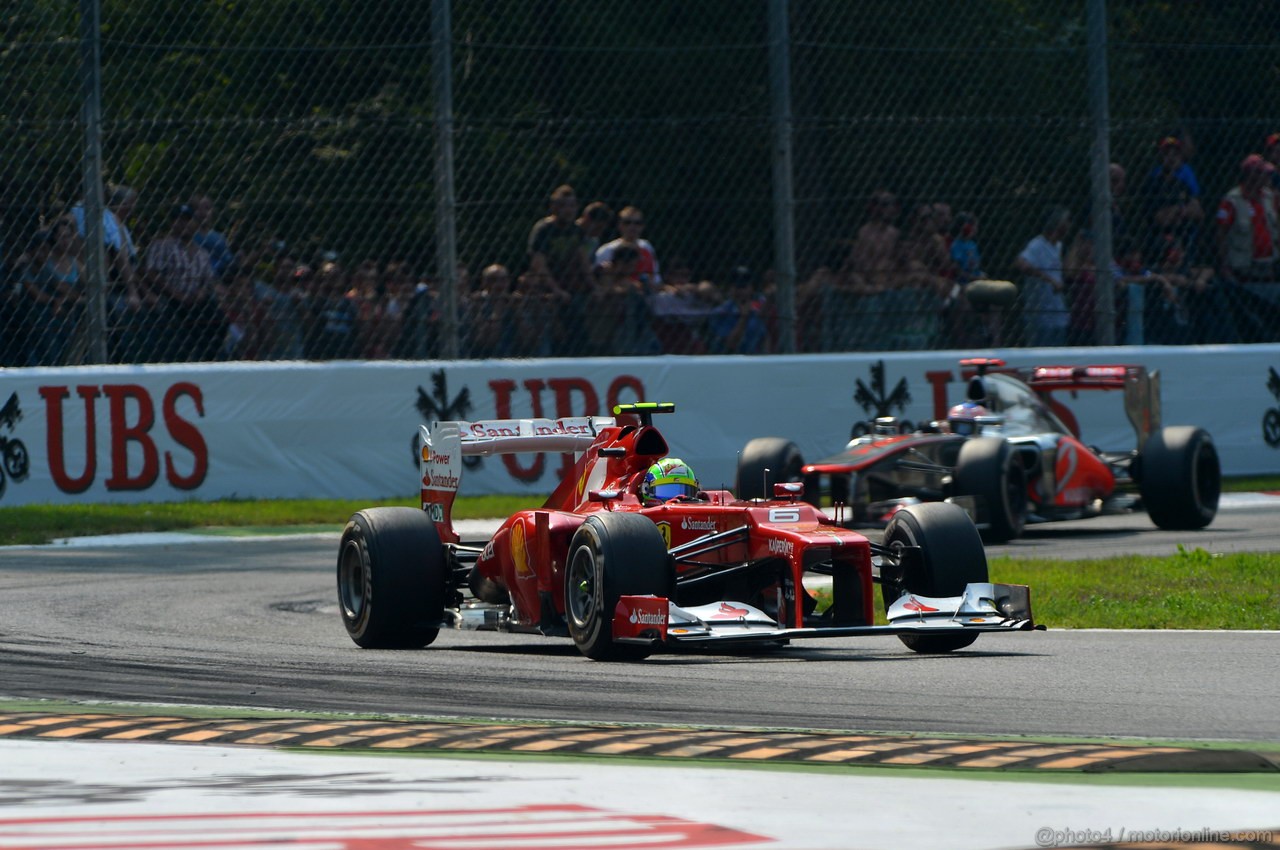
(782, 459)
(612, 555)
(952, 557)
(1181, 477)
(989, 469)
(391, 579)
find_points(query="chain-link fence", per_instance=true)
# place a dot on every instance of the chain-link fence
(334, 178)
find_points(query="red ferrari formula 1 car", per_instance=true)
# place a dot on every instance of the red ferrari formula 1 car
(623, 575)
(1007, 458)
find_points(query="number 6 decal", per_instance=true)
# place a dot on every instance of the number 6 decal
(784, 514)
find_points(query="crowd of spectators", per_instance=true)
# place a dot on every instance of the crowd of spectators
(593, 285)
(190, 294)
(1184, 274)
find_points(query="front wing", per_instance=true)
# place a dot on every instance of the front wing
(983, 607)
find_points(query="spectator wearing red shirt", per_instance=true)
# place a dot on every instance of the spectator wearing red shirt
(1248, 239)
(631, 225)
(1248, 227)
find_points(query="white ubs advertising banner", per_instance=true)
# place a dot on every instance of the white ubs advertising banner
(350, 429)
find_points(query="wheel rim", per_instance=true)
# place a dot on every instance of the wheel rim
(351, 581)
(891, 592)
(582, 598)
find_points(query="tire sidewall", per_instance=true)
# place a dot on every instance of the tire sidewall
(951, 549)
(355, 541)
(402, 582)
(953, 556)
(627, 556)
(587, 544)
(1171, 487)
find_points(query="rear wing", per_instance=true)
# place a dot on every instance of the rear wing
(1141, 389)
(445, 444)
(1082, 377)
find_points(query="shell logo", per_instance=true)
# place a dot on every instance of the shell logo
(914, 604)
(520, 550)
(664, 528)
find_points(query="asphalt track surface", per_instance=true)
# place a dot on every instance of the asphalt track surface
(254, 623)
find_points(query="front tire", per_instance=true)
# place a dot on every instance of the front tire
(1181, 478)
(391, 579)
(989, 468)
(952, 557)
(612, 555)
(782, 459)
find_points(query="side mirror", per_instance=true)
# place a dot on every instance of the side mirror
(790, 490)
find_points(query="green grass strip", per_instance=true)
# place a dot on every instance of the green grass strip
(1191, 589)
(38, 524)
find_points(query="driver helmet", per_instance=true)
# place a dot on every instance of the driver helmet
(963, 417)
(669, 478)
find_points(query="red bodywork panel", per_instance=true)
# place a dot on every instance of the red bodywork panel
(528, 553)
(641, 617)
(1079, 477)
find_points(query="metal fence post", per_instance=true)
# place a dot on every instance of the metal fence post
(1103, 251)
(446, 209)
(784, 247)
(91, 167)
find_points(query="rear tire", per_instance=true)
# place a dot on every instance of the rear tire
(989, 468)
(1181, 478)
(782, 459)
(612, 555)
(952, 558)
(391, 579)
